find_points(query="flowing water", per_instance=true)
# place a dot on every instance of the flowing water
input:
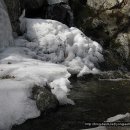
(95, 102)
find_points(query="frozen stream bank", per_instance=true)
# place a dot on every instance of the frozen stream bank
(46, 54)
(95, 102)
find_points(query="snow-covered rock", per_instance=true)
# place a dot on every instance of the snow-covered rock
(19, 73)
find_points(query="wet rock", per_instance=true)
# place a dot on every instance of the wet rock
(34, 8)
(107, 75)
(61, 12)
(45, 100)
(14, 10)
(33, 4)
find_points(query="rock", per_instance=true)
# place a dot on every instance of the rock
(33, 4)
(113, 60)
(107, 75)
(107, 22)
(122, 42)
(45, 100)
(14, 9)
(61, 12)
(34, 8)
(103, 4)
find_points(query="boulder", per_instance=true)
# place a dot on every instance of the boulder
(45, 100)
(61, 12)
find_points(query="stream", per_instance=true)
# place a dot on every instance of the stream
(95, 102)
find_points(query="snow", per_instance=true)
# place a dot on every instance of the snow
(113, 119)
(15, 107)
(18, 74)
(54, 42)
(98, 128)
(118, 117)
(47, 53)
(61, 92)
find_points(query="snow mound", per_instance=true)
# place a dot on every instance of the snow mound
(54, 42)
(18, 74)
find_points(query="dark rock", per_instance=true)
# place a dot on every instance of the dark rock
(14, 10)
(107, 22)
(107, 75)
(45, 100)
(60, 12)
(34, 9)
(34, 4)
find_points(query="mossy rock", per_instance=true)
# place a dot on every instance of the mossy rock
(45, 100)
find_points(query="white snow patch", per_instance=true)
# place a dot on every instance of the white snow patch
(118, 117)
(59, 91)
(15, 105)
(97, 128)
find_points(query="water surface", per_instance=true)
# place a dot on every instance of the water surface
(95, 102)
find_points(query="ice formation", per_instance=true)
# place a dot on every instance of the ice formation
(54, 42)
(5, 27)
(47, 53)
